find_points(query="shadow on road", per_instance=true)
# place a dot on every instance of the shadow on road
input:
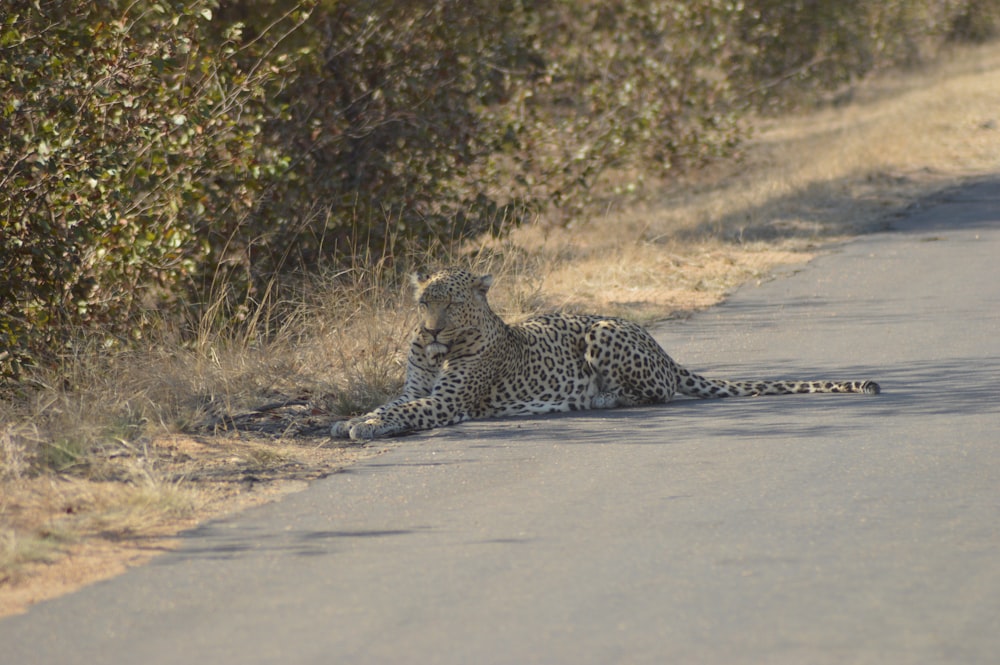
(225, 540)
(968, 206)
(825, 218)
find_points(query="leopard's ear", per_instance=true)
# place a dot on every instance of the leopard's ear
(417, 282)
(482, 284)
(419, 279)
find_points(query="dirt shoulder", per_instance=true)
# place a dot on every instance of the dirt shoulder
(63, 532)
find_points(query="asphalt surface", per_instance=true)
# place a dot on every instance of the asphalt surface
(800, 529)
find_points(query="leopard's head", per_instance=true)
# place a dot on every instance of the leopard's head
(453, 308)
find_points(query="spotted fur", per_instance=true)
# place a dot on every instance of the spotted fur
(466, 363)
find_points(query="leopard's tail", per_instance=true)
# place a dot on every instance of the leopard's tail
(695, 385)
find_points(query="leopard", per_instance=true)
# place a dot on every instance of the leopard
(465, 363)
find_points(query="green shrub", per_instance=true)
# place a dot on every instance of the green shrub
(798, 48)
(414, 122)
(129, 131)
(632, 85)
(385, 123)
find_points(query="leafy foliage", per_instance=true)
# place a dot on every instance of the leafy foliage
(629, 84)
(128, 132)
(801, 47)
(418, 121)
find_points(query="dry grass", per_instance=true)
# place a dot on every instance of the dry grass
(104, 457)
(112, 453)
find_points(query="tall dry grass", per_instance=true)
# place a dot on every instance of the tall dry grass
(82, 452)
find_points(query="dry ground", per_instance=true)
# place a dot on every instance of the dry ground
(261, 411)
(60, 532)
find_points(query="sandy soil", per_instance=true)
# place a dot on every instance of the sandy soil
(82, 531)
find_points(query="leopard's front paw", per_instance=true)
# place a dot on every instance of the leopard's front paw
(341, 429)
(365, 430)
(360, 428)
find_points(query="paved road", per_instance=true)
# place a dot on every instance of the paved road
(805, 529)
